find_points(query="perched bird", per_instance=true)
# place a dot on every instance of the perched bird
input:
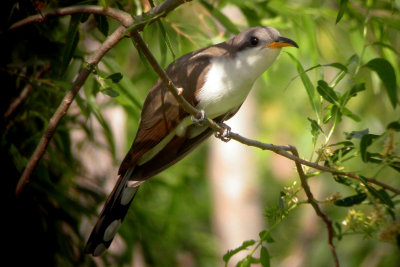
(216, 80)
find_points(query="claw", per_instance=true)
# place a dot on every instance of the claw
(201, 120)
(224, 136)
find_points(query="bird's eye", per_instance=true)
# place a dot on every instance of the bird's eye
(253, 41)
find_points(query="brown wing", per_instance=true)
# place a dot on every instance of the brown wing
(173, 152)
(161, 113)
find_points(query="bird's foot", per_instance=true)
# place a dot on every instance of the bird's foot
(200, 121)
(224, 135)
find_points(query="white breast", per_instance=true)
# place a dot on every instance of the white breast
(230, 80)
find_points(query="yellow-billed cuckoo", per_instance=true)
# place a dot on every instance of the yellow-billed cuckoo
(216, 80)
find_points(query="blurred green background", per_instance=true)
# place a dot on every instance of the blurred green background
(171, 219)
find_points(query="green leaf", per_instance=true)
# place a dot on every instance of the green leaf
(125, 86)
(143, 59)
(365, 142)
(339, 153)
(165, 42)
(115, 77)
(353, 59)
(224, 20)
(102, 24)
(19, 160)
(162, 46)
(343, 143)
(328, 114)
(312, 96)
(359, 87)
(84, 18)
(72, 40)
(315, 129)
(387, 75)
(352, 92)
(386, 46)
(338, 232)
(266, 236)
(342, 9)
(390, 21)
(346, 112)
(103, 3)
(246, 262)
(97, 112)
(327, 92)
(395, 125)
(85, 111)
(244, 245)
(385, 198)
(381, 194)
(250, 14)
(351, 200)
(395, 165)
(343, 180)
(264, 257)
(336, 114)
(121, 7)
(337, 65)
(110, 92)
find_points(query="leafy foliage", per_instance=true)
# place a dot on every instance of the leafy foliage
(347, 97)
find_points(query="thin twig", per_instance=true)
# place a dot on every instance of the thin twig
(163, 75)
(49, 132)
(314, 204)
(282, 150)
(123, 17)
(126, 21)
(24, 94)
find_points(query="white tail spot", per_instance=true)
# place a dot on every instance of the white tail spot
(99, 250)
(111, 230)
(127, 195)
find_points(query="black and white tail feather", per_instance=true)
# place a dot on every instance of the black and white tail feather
(112, 215)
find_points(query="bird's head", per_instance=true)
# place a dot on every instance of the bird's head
(257, 48)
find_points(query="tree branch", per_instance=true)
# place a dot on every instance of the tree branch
(112, 40)
(317, 209)
(123, 17)
(127, 22)
(282, 150)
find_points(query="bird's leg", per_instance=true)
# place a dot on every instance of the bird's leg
(224, 135)
(200, 121)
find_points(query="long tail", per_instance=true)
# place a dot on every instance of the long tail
(111, 217)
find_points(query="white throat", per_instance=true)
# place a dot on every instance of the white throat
(230, 80)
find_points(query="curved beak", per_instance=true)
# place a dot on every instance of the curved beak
(282, 42)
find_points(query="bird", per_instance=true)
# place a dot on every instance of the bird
(215, 80)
